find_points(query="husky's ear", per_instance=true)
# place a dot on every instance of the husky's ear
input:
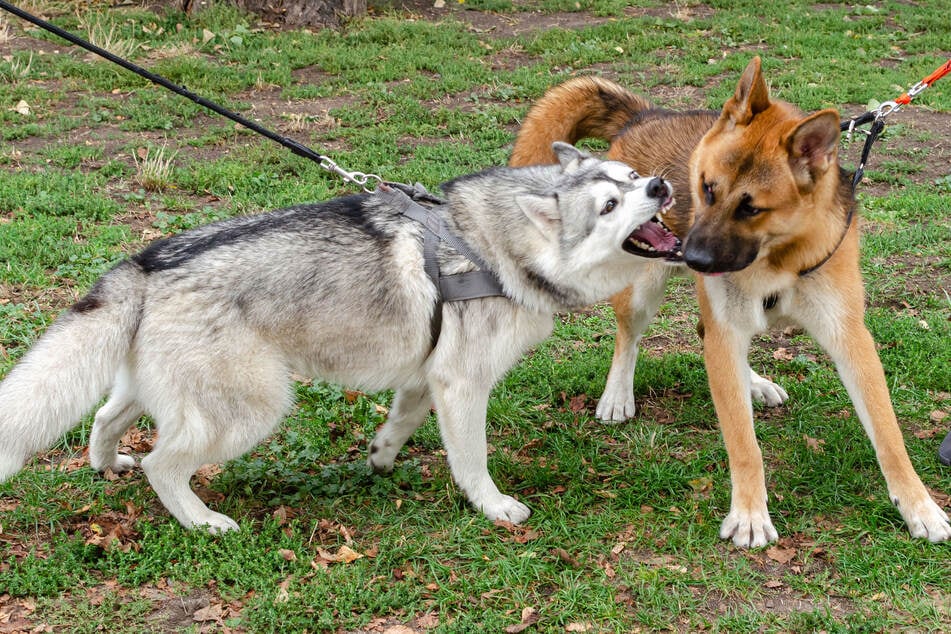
(542, 211)
(751, 96)
(812, 146)
(568, 155)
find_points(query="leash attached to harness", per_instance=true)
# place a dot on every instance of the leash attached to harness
(449, 288)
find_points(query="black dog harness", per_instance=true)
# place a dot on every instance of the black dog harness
(449, 288)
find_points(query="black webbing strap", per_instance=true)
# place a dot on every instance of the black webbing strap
(449, 288)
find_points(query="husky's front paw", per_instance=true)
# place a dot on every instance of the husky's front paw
(765, 391)
(214, 523)
(748, 529)
(379, 460)
(926, 520)
(119, 463)
(506, 508)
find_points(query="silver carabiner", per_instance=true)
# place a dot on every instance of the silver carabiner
(357, 178)
(886, 109)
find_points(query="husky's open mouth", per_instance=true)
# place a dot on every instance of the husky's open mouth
(654, 240)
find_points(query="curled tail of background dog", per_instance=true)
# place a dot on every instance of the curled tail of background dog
(582, 107)
(69, 368)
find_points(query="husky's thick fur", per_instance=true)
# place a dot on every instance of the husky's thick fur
(203, 330)
(773, 240)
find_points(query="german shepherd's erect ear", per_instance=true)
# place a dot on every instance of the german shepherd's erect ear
(812, 146)
(751, 96)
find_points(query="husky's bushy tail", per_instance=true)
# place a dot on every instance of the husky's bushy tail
(69, 368)
(582, 107)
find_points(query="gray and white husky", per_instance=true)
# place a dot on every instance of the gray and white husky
(204, 330)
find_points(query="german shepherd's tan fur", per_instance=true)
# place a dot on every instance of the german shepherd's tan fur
(771, 242)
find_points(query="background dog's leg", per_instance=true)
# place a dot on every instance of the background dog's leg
(409, 410)
(725, 353)
(634, 308)
(111, 422)
(852, 348)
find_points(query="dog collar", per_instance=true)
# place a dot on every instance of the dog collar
(845, 231)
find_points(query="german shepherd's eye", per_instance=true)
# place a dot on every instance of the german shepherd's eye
(609, 206)
(746, 210)
(708, 196)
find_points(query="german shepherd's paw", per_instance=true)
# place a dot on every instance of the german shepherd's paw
(505, 508)
(748, 528)
(765, 391)
(925, 520)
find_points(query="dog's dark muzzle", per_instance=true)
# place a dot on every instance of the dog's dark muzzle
(713, 253)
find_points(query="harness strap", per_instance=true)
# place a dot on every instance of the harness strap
(449, 288)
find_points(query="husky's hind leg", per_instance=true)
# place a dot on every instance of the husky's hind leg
(409, 410)
(210, 418)
(112, 420)
(202, 439)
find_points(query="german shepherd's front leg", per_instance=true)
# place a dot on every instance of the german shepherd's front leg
(852, 348)
(724, 351)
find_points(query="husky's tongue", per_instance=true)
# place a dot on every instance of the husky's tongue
(653, 240)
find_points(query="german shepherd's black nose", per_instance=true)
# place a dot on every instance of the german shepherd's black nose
(658, 188)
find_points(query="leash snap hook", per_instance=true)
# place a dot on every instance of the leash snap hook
(357, 178)
(886, 109)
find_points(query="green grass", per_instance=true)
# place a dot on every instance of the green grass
(623, 535)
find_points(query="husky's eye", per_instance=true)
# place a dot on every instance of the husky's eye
(609, 206)
(708, 196)
(746, 209)
(634, 176)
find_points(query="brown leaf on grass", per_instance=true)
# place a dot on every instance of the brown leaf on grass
(937, 416)
(564, 556)
(344, 555)
(578, 403)
(814, 444)
(112, 530)
(781, 555)
(428, 621)
(212, 612)
(578, 627)
(520, 534)
(782, 354)
(530, 616)
(287, 554)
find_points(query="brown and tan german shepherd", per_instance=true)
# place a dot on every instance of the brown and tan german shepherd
(773, 240)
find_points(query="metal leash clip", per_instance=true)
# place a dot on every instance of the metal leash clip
(886, 109)
(357, 178)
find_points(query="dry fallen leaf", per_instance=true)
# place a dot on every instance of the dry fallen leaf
(530, 616)
(22, 107)
(814, 444)
(344, 555)
(780, 554)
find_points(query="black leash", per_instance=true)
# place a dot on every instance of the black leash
(325, 162)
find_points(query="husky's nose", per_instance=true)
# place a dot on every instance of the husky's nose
(658, 188)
